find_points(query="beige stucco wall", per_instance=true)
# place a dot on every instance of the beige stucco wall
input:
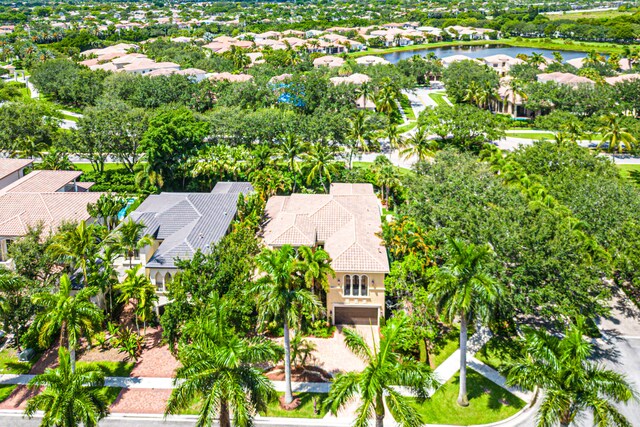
(376, 292)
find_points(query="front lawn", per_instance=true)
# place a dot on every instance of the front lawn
(9, 363)
(305, 410)
(630, 172)
(497, 351)
(406, 107)
(86, 167)
(110, 369)
(488, 403)
(439, 98)
(446, 346)
(531, 135)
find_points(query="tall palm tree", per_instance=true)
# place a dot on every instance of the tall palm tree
(130, 238)
(70, 397)
(419, 145)
(283, 297)
(136, 287)
(72, 316)
(148, 176)
(592, 58)
(572, 382)
(79, 247)
(218, 366)
(359, 133)
(386, 97)
(321, 164)
(465, 290)
(617, 137)
(536, 59)
(375, 384)
(291, 149)
(106, 209)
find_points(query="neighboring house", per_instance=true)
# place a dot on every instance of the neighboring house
(564, 79)
(501, 63)
(45, 198)
(346, 223)
(180, 225)
(328, 61)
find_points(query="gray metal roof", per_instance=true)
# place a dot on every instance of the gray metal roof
(186, 222)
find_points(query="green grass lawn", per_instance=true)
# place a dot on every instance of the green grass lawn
(488, 403)
(9, 364)
(497, 351)
(406, 107)
(86, 167)
(447, 346)
(407, 127)
(68, 117)
(110, 369)
(403, 172)
(587, 15)
(531, 135)
(630, 172)
(439, 99)
(305, 410)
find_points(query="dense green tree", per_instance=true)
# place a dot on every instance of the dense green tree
(137, 288)
(16, 308)
(28, 128)
(459, 74)
(78, 248)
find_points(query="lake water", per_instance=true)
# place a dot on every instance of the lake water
(479, 51)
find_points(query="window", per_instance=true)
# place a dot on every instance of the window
(356, 285)
(347, 285)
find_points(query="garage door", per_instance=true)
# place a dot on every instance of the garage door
(356, 315)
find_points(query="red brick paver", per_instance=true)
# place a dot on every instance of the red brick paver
(156, 360)
(141, 401)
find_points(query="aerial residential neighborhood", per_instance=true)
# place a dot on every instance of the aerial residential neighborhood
(304, 214)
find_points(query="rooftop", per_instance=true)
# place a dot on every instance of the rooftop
(9, 166)
(186, 222)
(346, 221)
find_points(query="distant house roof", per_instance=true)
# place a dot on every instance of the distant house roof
(41, 181)
(356, 79)
(186, 222)
(346, 221)
(328, 61)
(614, 80)
(371, 60)
(9, 166)
(39, 198)
(233, 78)
(564, 78)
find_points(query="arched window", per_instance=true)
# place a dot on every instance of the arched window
(364, 286)
(355, 289)
(167, 278)
(159, 281)
(347, 285)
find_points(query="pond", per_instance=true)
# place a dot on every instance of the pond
(479, 51)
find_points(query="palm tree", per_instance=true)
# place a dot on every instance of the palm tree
(78, 246)
(219, 366)
(572, 382)
(283, 297)
(148, 176)
(465, 290)
(359, 133)
(138, 288)
(70, 397)
(291, 149)
(321, 164)
(536, 59)
(73, 316)
(592, 58)
(617, 137)
(385, 98)
(419, 145)
(130, 239)
(315, 267)
(107, 209)
(375, 384)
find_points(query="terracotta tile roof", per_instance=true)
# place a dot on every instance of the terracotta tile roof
(19, 211)
(42, 181)
(346, 221)
(564, 78)
(9, 166)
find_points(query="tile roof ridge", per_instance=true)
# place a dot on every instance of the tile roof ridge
(188, 199)
(45, 205)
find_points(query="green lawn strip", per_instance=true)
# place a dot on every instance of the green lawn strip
(407, 127)
(630, 172)
(110, 369)
(9, 363)
(439, 99)
(488, 403)
(531, 135)
(86, 167)
(587, 15)
(406, 107)
(498, 351)
(68, 117)
(305, 410)
(5, 391)
(550, 44)
(403, 172)
(446, 346)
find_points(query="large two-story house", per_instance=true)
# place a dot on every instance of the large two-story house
(40, 198)
(346, 223)
(180, 224)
